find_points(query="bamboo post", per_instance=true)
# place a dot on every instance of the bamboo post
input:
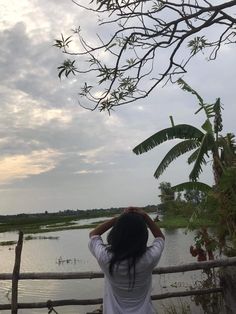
(15, 274)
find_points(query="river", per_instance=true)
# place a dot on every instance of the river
(70, 253)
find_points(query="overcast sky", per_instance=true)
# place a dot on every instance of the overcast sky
(56, 155)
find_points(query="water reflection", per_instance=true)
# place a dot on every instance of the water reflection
(44, 256)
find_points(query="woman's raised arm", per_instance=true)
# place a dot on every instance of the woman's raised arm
(103, 227)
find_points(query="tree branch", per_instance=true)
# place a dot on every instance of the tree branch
(142, 31)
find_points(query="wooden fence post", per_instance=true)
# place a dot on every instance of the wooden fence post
(228, 284)
(15, 274)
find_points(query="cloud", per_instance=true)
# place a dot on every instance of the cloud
(20, 110)
(89, 171)
(18, 167)
(92, 156)
(43, 130)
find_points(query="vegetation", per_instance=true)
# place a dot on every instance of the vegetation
(31, 223)
(30, 237)
(57, 221)
(203, 141)
(143, 41)
(7, 243)
(211, 303)
(174, 222)
(182, 211)
(177, 216)
(179, 308)
(206, 143)
(167, 194)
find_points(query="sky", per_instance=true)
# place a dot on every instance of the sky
(55, 155)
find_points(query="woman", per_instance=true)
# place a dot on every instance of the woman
(127, 262)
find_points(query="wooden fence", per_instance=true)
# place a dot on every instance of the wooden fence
(228, 287)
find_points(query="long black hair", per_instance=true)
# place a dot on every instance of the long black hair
(127, 241)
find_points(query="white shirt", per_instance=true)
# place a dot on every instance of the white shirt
(118, 297)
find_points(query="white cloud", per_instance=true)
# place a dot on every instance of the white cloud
(4, 141)
(41, 116)
(92, 156)
(14, 11)
(89, 171)
(22, 166)
(113, 121)
(21, 110)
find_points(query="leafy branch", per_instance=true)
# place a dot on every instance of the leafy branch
(142, 34)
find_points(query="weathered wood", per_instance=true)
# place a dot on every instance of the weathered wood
(15, 274)
(91, 275)
(196, 266)
(54, 275)
(99, 301)
(39, 305)
(228, 283)
(185, 293)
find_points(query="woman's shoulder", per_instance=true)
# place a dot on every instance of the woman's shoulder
(158, 241)
(153, 253)
(98, 248)
(157, 245)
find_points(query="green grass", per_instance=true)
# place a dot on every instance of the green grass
(51, 223)
(35, 224)
(174, 222)
(30, 237)
(7, 243)
(177, 308)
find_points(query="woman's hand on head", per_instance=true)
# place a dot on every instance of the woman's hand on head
(137, 210)
(156, 231)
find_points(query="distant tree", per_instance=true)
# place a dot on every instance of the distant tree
(145, 41)
(194, 196)
(167, 194)
(179, 197)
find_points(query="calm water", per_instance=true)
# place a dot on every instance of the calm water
(70, 253)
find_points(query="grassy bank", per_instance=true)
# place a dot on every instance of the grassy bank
(174, 222)
(50, 223)
(169, 223)
(36, 224)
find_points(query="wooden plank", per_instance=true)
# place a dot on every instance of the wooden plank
(185, 293)
(91, 275)
(99, 300)
(196, 266)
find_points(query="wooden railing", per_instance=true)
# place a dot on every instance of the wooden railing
(50, 304)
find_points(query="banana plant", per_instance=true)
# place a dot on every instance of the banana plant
(204, 143)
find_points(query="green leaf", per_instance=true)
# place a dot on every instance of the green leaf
(206, 143)
(197, 44)
(60, 73)
(178, 150)
(199, 186)
(189, 89)
(180, 131)
(193, 156)
(207, 126)
(208, 108)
